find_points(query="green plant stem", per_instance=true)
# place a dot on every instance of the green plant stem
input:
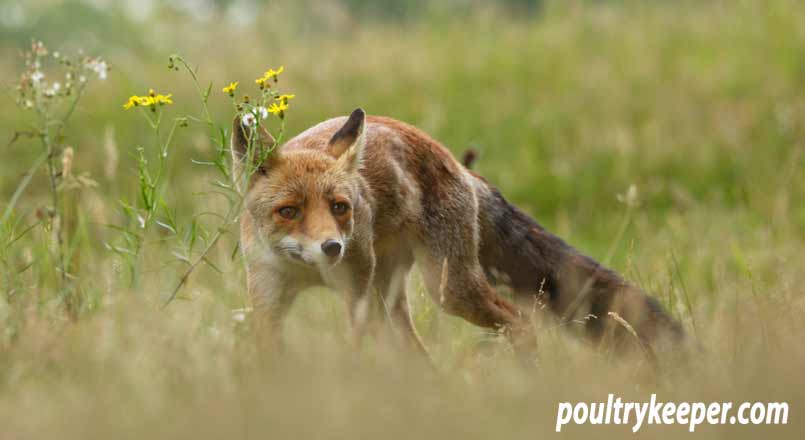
(189, 271)
(50, 151)
(26, 180)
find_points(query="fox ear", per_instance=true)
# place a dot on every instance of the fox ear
(242, 134)
(348, 142)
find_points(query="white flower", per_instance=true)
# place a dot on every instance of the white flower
(82, 78)
(630, 197)
(99, 67)
(37, 76)
(53, 90)
(239, 316)
(249, 120)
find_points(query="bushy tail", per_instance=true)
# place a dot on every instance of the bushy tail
(516, 251)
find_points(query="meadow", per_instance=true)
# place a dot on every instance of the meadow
(665, 139)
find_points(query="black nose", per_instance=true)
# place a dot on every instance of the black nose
(331, 248)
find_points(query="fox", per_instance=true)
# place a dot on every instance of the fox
(353, 203)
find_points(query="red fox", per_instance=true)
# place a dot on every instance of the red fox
(352, 203)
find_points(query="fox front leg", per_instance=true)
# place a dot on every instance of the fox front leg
(354, 277)
(272, 295)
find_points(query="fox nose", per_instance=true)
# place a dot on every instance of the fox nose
(331, 248)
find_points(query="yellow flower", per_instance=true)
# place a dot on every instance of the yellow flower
(278, 108)
(230, 89)
(273, 74)
(133, 101)
(285, 98)
(149, 100)
(270, 74)
(163, 99)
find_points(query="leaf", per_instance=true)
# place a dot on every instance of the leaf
(166, 226)
(207, 93)
(119, 250)
(202, 162)
(181, 257)
(235, 249)
(25, 267)
(221, 184)
(209, 263)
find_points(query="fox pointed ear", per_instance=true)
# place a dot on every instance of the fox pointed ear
(347, 143)
(243, 134)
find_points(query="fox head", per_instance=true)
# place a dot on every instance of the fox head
(302, 200)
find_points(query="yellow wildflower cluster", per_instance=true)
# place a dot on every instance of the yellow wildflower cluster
(270, 101)
(263, 81)
(152, 99)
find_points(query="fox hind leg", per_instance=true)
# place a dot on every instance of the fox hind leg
(448, 260)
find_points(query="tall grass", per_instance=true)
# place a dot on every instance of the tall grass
(698, 106)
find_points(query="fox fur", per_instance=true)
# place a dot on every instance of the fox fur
(352, 203)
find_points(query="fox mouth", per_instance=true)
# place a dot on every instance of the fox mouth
(298, 255)
(294, 253)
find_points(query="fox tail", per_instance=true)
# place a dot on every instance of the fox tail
(518, 252)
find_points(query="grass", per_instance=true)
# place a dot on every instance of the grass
(700, 106)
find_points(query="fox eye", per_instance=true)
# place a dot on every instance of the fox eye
(288, 212)
(339, 208)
